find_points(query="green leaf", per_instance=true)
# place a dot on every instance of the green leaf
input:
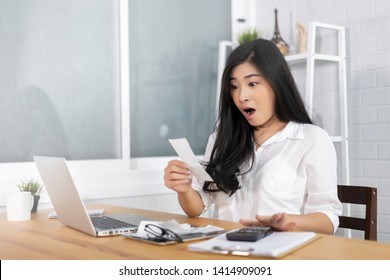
(32, 186)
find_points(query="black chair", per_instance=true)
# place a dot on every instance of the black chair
(364, 196)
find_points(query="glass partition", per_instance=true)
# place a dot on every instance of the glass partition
(173, 72)
(59, 79)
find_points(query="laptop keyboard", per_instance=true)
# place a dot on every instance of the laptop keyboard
(104, 222)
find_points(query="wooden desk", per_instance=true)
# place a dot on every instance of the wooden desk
(44, 239)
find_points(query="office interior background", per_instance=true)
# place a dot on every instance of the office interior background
(105, 84)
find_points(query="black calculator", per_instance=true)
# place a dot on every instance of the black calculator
(250, 234)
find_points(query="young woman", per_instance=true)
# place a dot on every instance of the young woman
(271, 166)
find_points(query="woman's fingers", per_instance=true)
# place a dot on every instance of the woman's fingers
(251, 223)
(277, 221)
(177, 176)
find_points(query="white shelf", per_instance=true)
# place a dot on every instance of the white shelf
(336, 138)
(302, 57)
(310, 58)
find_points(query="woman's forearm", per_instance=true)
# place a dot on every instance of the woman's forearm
(317, 222)
(191, 203)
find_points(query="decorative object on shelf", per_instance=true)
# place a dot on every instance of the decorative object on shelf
(302, 38)
(277, 38)
(35, 188)
(248, 35)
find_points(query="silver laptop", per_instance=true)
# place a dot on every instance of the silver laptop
(70, 207)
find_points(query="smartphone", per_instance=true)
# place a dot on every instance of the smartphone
(250, 234)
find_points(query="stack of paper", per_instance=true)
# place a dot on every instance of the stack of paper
(180, 229)
(274, 245)
(187, 232)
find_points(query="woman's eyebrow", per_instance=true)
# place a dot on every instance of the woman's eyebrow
(252, 75)
(247, 76)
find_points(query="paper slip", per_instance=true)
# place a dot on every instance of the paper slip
(274, 245)
(186, 232)
(171, 225)
(91, 212)
(183, 149)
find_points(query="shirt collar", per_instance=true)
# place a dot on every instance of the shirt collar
(292, 130)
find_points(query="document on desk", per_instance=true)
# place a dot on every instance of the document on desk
(183, 149)
(274, 245)
(186, 232)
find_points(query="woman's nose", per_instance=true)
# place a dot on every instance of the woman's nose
(243, 95)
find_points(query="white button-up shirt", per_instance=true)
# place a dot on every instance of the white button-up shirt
(295, 172)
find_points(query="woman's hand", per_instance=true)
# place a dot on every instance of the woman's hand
(177, 176)
(317, 222)
(277, 221)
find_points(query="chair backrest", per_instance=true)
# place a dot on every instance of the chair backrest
(365, 196)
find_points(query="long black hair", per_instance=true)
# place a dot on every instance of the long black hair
(234, 143)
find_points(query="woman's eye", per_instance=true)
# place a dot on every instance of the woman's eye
(232, 87)
(252, 84)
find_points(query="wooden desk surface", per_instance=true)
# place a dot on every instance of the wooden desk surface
(44, 239)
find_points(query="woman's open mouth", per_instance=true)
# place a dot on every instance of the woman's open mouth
(249, 112)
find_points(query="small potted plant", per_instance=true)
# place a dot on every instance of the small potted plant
(248, 35)
(35, 188)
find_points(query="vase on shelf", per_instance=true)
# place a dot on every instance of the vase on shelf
(35, 203)
(277, 38)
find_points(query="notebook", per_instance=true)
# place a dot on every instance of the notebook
(70, 207)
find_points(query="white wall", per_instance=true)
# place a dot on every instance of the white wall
(367, 24)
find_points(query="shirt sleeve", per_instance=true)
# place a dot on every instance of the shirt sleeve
(197, 185)
(321, 168)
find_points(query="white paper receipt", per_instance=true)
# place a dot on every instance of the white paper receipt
(183, 149)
